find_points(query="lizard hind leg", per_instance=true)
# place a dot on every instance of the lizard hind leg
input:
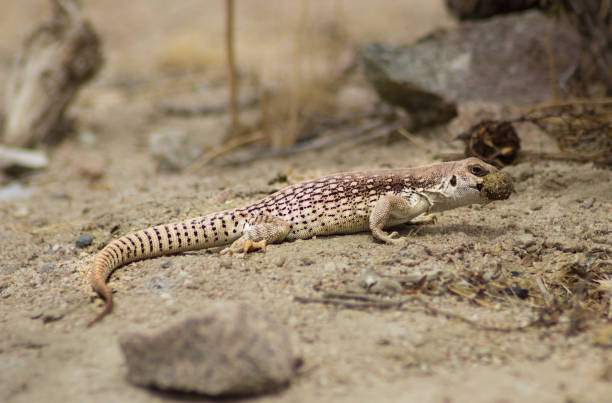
(263, 230)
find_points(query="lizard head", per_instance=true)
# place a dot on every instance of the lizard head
(461, 183)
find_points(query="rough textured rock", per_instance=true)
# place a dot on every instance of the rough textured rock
(173, 149)
(83, 241)
(58, 58)
(475, 9)
(503, 59)
(230, 349)
(17, 159)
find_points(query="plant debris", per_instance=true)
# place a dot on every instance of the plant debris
(495, 142)
(581, 128)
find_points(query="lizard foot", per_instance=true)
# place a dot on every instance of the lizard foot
(424, 219)
(245, 246)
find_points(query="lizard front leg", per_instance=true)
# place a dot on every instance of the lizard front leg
(263, 230)
(390, 210)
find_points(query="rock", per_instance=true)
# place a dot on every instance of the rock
(15, 160)
(524, 241)
(14, 191)
(84, 241)
(10, 269)
(374, 283)
(173, 149)
(475, 9)
(47, 268)
(229, 349)
(498, 60)
(57, 59)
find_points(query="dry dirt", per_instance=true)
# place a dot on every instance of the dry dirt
(558, 219)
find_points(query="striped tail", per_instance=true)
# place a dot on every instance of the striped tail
(199, 233)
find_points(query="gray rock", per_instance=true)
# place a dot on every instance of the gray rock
(57, 59)
(502, 60)
(525, 240)
(374, 283)
(10, 269)
(173, 149)
(84, 241)
(14, 191)
(475, 9)
(230, 349)
(47, 267)
(19, 158)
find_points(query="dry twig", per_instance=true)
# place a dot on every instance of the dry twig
(362, 301)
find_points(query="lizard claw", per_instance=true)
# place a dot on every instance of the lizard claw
(244, 246)
(249, 246)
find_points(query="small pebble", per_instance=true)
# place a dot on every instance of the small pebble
(167, 264)
(279, 261)
(47, 267)
(589, 203)
(330, 267)
(306, 261)
(525, 240)
(174, 149)
(84, 241)
(535, 207)
(10, 269)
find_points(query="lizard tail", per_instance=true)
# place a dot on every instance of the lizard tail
(198, 233)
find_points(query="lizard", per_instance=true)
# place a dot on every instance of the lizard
(342, 203)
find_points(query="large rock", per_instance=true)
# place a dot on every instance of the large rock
(504, 60)
(229, 349)
(57, 59)
(475, 9)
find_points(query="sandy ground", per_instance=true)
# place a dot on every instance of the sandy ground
(559, 215)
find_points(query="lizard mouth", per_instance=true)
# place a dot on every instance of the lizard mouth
(479, 187)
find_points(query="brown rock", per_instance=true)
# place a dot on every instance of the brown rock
(230, 349)
(58, 58)
(503, 59)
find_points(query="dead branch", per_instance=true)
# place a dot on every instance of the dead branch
(362, 301)
(231, 70)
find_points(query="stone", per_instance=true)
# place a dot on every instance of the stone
(14, 191)
(84, 241)
(476, 9)
(14, 160)
(57, 59)
(173, 149)
(524, 241)
(228, 349)
(501, 60)
(47, 267)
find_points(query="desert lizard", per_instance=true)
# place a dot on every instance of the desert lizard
(337, 204)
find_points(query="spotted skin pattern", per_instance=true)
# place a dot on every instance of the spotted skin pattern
(338, 204)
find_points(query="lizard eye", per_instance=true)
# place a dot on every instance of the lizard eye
(478, 170)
